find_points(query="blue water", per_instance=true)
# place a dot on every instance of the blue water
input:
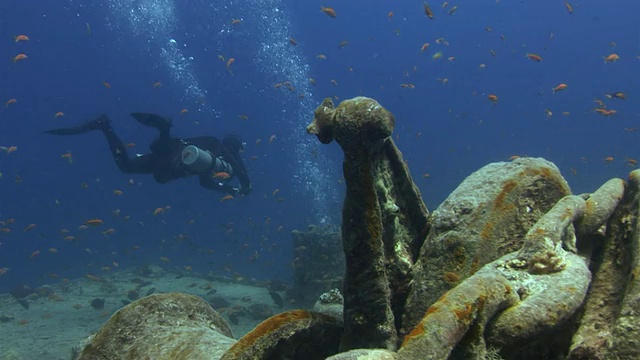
(445, 128)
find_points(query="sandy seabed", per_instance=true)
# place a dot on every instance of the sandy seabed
(55, 324)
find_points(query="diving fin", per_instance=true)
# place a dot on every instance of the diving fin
(100, 123)
(153, 120)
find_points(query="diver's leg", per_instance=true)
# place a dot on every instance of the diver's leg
(140, 164)
(100, 123)
(163, 125)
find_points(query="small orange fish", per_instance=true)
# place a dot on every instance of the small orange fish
(617, 95)
(10, 102)
(131, 145)
(611, 58)
(21, 38)
(19, 57)
(605, 112)
(427, 10)
(221, 175)
(34, 254)
(424, 47)
(117, 192)
(106, 85)
(230, 62)
(158, 211)
(226, 198)
(235, 21)
(568, 7)
(11, 149)
(93, 222)
(328, 11)
(183, 111)
(559, 88)
(271, 138)
(157, 84)
(608, 159)
(59, 114)
(67, 156)
(390, 15)
(493, 98)
(534, 57)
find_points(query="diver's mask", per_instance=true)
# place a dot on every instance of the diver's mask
(201, 161)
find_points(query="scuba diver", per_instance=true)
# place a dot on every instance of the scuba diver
(215, 162)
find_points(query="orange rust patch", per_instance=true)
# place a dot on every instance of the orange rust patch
(451, 277)
(267, 327)
(464, 314)
(507, 289)
(508, 186)
(417, 331)
(487, 230)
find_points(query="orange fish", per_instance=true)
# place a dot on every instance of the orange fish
(157, 84)
(68, 156)
(493, 98)
(59, 114)
(19, 57)
(390, 15)
(424, 47)
(158, 211)
(93, 222)
(183, 111)
(427, 10)
(271, 138)
(608, 159)
(117, 192)
(617, 95)
(612, 58)
(605, 112)
(106, 85)
(131, 145)
(328, 11)
(235, 21)
(11, 149)
(230, 62)
(21, 38)
(221, 175)
(34, 254)
(226, 198)
(534, 57)
(568, 7)
(10, 102)
(559, 88)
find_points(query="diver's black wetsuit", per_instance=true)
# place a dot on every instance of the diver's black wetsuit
(165, 159)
